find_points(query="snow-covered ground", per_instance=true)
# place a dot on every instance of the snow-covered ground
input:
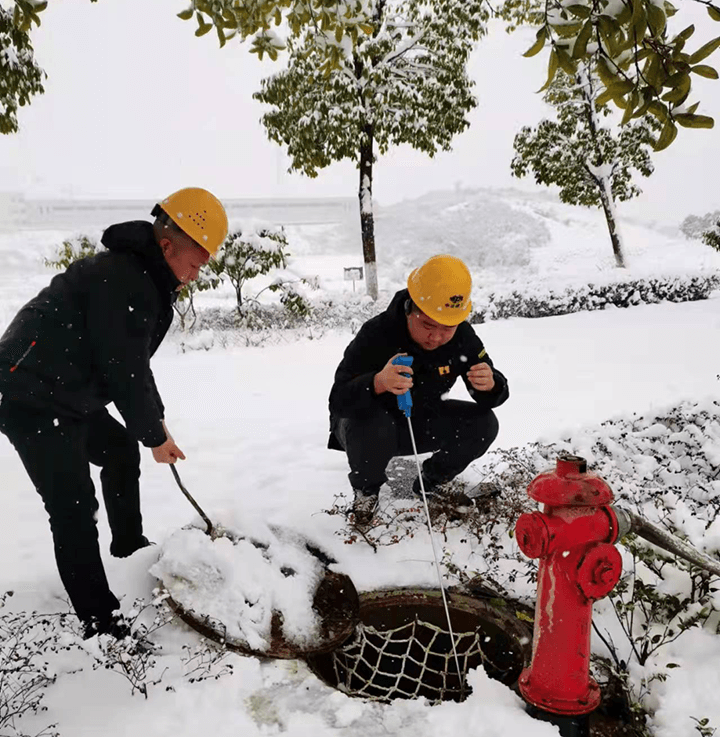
(253, 424)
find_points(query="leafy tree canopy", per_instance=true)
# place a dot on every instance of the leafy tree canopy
(404, 83)
(20, 76)
(576, 151)
(645, 65)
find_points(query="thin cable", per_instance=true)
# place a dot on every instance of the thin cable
(435, 556)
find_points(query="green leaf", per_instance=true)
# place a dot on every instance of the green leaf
(705, 71)
(639, 21)
(692, 108)
(685, 34)
(538, 45)
(568, 30)
(631, 107)
(202, 30)
(553, 64)
(186, 14)
(656, 19)
(646, 102)
(621, 87)
(704, 51)
(579, 11)
(604, 98)
(581, 42)
(606, 76)
(694, 121)
(713, 12)
(221, 36)
(565, 62)
(679, 92)
(667, 136)
(658, 110)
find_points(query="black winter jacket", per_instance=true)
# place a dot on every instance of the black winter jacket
(434, 372)
(86, 339)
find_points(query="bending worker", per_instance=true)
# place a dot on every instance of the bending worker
(427, 322)
(83, 342)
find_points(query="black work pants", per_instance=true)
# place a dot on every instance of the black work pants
(458, 432)
(56, 453)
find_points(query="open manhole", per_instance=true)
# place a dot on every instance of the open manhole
(402, 649)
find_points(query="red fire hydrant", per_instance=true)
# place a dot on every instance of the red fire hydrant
(573, 538)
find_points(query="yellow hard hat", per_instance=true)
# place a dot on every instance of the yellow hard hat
(441, 289)
(199, 214)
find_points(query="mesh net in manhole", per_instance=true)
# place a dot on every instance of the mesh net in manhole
(402, 648)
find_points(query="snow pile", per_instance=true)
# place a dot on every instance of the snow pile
(241, 581)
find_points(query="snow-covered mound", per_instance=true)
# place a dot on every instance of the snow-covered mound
(509, 238)
(239, 580)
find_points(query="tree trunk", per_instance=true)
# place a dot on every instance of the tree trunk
(606, 199)
(367, 222)
(602, 181)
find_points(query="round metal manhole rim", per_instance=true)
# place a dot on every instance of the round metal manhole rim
(336, 600)
(510, 617)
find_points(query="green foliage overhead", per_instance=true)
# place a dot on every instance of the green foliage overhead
(340, 21)
(405, 82)
(20, 76)
(648, 57)
(645, 62)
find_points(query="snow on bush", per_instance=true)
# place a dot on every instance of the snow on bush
(535, 301)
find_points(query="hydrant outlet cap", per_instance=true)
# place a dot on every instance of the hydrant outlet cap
(532, 534)
(567, 464)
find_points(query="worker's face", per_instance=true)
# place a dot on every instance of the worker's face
(428, 333)
(184, 257)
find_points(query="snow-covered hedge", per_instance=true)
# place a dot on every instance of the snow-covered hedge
(267, 324)
(536, 303)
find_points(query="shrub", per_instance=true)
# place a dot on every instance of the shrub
(711, 237)
(594, 297)
(73, 249)
(249, 253)
(694, 226)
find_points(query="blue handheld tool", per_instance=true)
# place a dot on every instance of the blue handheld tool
(404, 400)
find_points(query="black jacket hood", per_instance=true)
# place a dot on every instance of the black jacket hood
(138, 237)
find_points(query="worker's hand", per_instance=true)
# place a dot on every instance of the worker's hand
(168, 452)
(481, 378)
(391, 378)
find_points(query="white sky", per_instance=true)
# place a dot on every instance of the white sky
(136, 106)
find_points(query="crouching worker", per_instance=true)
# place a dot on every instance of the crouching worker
(83, 342)
(425, 321)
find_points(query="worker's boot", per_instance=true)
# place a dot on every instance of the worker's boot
(113, 625)
(441, 491)
(365, 505)
(125, 548)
